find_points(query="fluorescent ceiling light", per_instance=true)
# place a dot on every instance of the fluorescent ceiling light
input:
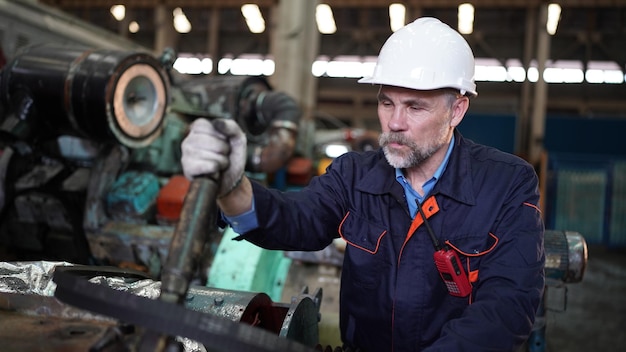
(335, 150)
(181, 23)
(254, 18)
(554, 14)
(118, 11)
(397, 13)
(486, 70)
(193, 65)
(133, 27)
(515, 70)
(564, 71)
(491, 73)
(250, 65)
(325, 20)
(466, 18)
(604, 72)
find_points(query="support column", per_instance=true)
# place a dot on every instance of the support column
(522, 135)
(213, 38)
(413, 13)
(122, 26)
(538, 120)
(164, 36)
(294, 46)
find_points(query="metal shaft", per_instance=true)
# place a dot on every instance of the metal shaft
(197, 220)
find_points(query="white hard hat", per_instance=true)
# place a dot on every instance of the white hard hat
(425, 54)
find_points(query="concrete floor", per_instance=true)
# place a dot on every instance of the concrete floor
(594, 318)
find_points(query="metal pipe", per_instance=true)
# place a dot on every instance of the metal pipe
(278, 114)
(105, 95)
(197, 219)
(41, 23)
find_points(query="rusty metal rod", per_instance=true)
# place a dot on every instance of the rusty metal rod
(197, 221)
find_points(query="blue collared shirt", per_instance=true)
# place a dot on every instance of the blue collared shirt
(245, 222)
(412, 195)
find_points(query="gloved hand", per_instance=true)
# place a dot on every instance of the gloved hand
(215, 148)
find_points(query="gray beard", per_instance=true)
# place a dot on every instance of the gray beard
(413, 157)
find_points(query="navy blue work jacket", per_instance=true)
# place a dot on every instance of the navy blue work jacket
(392, 296)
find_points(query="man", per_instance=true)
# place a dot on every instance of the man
(480, 204)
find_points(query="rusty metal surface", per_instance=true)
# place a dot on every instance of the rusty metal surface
(20, 333)
(302, 318)
(45, 306)
(120, 243)
(31, 319)
(197, 221)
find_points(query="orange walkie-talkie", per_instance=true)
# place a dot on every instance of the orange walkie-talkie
(448, 264)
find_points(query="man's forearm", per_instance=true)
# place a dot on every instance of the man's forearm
(238, 201)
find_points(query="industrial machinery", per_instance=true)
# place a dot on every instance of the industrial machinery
(56, 306)
(91, 147)
(90, 174)
(566, 261)
(64, 107)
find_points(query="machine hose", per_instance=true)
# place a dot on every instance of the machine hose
(278, 114)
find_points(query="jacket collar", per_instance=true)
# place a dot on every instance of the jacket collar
(380, 179)
(456, 181)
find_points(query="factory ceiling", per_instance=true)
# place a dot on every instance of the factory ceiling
(589, 30)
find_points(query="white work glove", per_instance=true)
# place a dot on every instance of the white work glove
(215, 148)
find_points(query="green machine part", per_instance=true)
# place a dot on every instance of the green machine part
(242, 266)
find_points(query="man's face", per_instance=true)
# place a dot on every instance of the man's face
(416, 124)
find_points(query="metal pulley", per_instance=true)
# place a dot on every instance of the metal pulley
(103, 95)
(566, 256)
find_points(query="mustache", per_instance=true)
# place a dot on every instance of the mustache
(394, 137)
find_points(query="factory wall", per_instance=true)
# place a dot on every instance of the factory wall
(585, 174)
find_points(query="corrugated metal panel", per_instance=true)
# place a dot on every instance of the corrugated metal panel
(580, 202)
(618, 206)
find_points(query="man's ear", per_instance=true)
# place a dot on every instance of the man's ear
(459, 108)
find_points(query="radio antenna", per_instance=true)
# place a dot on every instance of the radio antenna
(431, 233)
